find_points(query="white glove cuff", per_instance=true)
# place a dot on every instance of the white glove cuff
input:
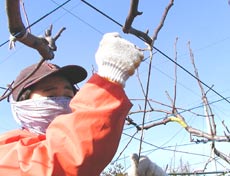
(115, 72)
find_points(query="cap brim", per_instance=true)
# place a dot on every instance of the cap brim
(73, 73)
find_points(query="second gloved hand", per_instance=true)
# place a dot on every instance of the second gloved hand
(117, 58)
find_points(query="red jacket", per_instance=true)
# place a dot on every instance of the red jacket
(81, 143)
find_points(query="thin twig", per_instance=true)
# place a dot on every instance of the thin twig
(26, 16)
(126, 146)
(175, 82)
(161, 24)
(207, 108)
(146, 102)
(11, 89)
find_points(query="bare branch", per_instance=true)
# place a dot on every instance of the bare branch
(51, 40)
(142, 35)
(19, 32)
(126, 146)
(127, 28)
(11, 89)
(208, 136)
(142, 88)
(131, 122)
(207, 108)
(154, 38)
(174, 115)
(25, 14)
(175, 73)
(211, 158)
(133, 12)
(222, 155)
(225, 126)
(8, 89)
(163, 122)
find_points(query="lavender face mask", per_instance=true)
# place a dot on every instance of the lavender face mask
(36, 114)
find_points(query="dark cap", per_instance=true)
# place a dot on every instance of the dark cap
(73, 73)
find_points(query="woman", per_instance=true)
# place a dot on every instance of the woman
(66, 131)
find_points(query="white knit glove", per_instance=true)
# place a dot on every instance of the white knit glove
(117, 58)
(144, 167)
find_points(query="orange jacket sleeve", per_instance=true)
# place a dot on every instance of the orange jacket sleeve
(81, 143)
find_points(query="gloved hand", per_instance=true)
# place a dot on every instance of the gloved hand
(144, 167)
(117, 58)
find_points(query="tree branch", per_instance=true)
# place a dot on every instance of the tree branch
(19, 32)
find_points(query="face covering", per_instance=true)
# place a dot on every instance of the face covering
(35, 115)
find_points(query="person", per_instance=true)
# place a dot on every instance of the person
(66, 130)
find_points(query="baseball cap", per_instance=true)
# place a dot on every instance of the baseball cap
(73, 73)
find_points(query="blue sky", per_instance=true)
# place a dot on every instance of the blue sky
(204, 23)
